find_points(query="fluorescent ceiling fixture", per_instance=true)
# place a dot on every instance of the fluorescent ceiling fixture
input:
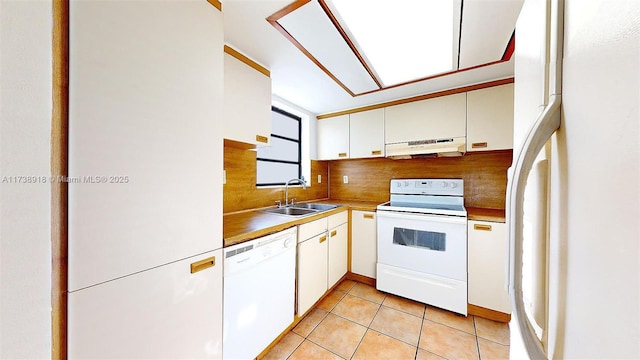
(403, 40)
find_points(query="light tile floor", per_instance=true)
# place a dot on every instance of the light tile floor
(356, 321)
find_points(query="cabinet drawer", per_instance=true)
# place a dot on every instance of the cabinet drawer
(310, 229)
(337, 219)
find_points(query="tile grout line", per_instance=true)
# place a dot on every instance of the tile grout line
(477, 341)
(424, 313)
(368, 327)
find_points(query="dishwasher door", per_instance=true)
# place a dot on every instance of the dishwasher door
(259, 293)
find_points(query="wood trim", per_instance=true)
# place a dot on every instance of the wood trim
(59, 167)
(238, 144)
(361, 279)
(273, 20)
(511, 47)
(491, 215)
(238, 55)
(419, 98)
(350, 43)
(295, 42)
(476, 310)
(286, 10)
(349, 239)
(216, 3)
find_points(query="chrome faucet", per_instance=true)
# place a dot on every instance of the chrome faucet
(286, 188)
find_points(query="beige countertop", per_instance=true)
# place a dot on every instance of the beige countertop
(250, 224)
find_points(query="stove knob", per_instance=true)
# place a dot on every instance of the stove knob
(445, 184)
(406, 184)
(454, 185)
(398, 184)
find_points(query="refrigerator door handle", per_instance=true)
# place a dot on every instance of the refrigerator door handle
(543, 129)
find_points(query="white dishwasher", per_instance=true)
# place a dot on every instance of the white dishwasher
(259, 293)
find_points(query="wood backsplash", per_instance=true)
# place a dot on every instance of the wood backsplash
(484, 175)
(240, 191)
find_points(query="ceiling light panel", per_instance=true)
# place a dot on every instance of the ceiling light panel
(403, 40)
(312, 29)
(483, 39)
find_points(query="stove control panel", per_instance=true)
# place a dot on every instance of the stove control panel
(428, 186)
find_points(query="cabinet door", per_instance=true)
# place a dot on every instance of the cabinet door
(247, 103)
(366, 134)
(145, 143)
(487, 268)
(437, 118)
(490, 118)
(363, 243)
(333, 138)
(338, 244)
(312, 271)
(165, 312)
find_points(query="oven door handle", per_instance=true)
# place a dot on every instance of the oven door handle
(422, 217)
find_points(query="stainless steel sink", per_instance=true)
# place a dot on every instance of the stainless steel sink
(319, 207)
(292, 211)
(300, 209)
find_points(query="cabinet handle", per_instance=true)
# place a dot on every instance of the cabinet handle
(367, 216)
(333, 233)
(376, 152)
(342, 154)
(482, 227)
(323, 239)
(479, 145)
(262, 139)
(203, 264)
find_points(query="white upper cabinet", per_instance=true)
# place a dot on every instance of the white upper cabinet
(490, 118)
(366, 134)
(247, 103)
(436, 118)
(333, 138)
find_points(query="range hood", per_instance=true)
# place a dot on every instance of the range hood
(426, 148)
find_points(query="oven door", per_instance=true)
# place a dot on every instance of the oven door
(432, 244)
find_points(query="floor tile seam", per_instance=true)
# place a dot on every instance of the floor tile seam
(360, 297)
(329, 350)
(360, 342)
(419, 337)
(477, 341)
(404, 312)
(395, 338)
(296, 347)
(454, 328)
(345, 318)
(314, 327)
(493, 341)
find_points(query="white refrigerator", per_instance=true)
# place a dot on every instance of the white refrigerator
(145, 180)
(573, 196)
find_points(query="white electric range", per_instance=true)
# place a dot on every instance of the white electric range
(422, 242)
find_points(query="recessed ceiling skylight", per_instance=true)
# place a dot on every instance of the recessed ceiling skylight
(402, 40)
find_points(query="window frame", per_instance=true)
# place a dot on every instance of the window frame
(299, 142)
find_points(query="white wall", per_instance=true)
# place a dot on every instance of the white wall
(25, 240)
(595, 185)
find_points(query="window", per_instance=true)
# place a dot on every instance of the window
(281, 161)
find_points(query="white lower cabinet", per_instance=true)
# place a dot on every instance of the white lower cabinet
(165, 312)
(363, 243)
(312, 269)
(338, 244)
(487, 265)
(322, 257)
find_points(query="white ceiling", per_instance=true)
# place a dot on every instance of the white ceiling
(487, 27)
